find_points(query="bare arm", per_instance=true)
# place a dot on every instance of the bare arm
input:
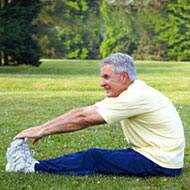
(74, 120)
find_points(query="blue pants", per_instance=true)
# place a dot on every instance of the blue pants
(106, 162)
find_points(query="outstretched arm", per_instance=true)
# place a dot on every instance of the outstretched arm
(74, 120)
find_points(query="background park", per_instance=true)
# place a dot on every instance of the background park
(49, 56)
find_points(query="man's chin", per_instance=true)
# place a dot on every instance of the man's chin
(110, 95)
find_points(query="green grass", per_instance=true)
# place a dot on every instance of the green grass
(30, 96)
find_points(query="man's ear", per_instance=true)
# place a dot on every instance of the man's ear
(125, 77)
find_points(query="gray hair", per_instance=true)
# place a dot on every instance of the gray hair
(121, 63)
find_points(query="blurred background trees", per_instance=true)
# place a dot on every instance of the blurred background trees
(17, 45)
(174, 30)
(84, 29)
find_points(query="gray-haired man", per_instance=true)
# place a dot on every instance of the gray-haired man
(150, 123)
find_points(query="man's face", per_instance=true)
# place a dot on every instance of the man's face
(113, 83)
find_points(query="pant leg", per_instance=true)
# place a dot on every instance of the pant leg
(107, 162)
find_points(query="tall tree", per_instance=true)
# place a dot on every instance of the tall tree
(81, 34)
(3, 53)
(17, 30)
(69, 29)
(118, 28)
(131, 27)
(49, 21)
(174, 30)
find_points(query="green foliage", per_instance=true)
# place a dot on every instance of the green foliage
(49, 22)
(69, 29)
(119, 33)
(16, 34)
(131, 29)
(30, 96)
(148, 47)
(80, 33)
(148, 30)
(175, 30)
(153, 30)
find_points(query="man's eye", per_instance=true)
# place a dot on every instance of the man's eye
(106, 76)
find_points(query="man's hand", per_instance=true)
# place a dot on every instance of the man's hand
(34, 133)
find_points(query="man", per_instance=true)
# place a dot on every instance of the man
(151, 125)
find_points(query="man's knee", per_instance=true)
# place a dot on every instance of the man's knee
(94, 154)
(92, 151)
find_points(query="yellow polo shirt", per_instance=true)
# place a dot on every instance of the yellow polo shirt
(150, 123)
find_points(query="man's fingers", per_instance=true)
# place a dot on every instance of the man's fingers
(32, 133)
(20, 136)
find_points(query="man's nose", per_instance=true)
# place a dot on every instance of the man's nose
(102, 83)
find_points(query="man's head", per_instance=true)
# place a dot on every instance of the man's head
(118, 72)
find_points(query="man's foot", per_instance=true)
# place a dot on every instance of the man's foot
(19, 158)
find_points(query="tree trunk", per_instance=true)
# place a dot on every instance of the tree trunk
(0, 58)
(157, 4)
(5, 3)
(6, 60)
(1, 3)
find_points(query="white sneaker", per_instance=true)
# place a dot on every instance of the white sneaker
(19, 158)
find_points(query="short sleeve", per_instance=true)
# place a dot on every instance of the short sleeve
(120, 108)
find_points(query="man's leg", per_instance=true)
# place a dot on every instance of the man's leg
(108, 162)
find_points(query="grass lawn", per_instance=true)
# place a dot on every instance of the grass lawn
(30, 96)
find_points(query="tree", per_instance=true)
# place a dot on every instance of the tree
(118, 29)
(149, 17)
(80, 34)
(16, 34)
(3, 54)
(131, 28)
(69, 29)
(174, 30)
(49, 22)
